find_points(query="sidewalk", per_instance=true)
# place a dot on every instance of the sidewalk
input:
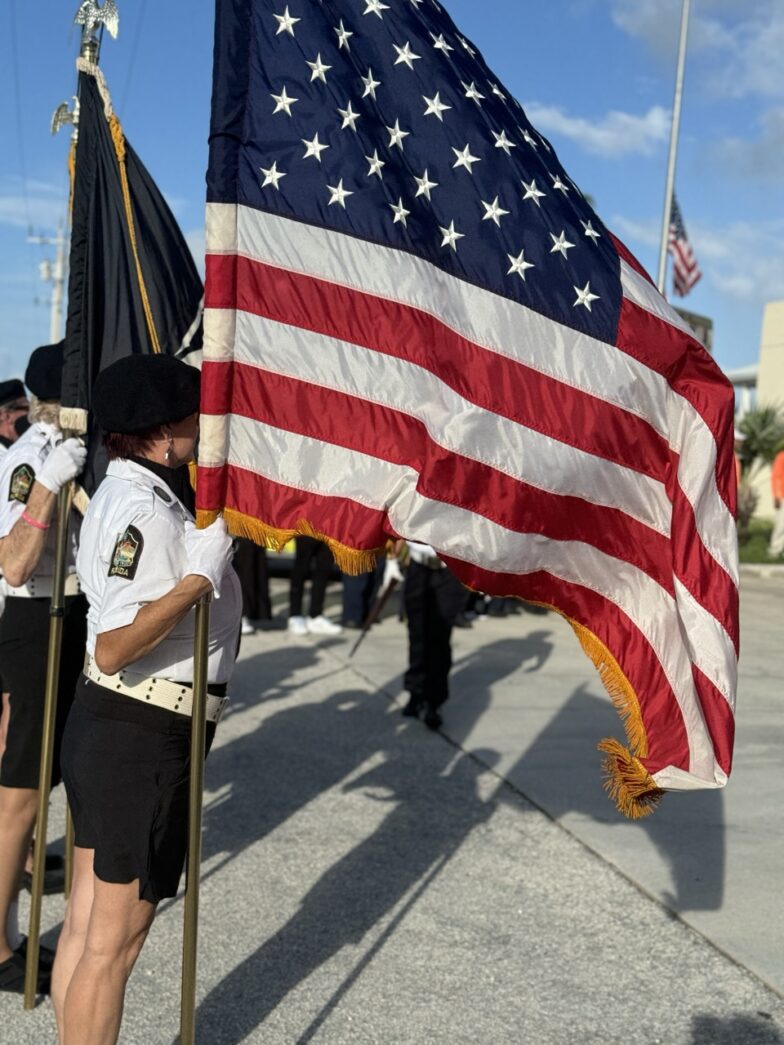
(366, 881)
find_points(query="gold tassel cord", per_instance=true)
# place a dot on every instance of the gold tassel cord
(118, 139)
(349, 560)
(628, 782)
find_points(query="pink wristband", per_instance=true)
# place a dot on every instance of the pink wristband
(34, 522)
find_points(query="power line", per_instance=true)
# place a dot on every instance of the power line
(18, 104)
(132, 60)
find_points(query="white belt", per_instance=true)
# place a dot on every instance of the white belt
(41, 588)
(162, 693)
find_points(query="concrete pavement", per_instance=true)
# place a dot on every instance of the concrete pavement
(366, 881)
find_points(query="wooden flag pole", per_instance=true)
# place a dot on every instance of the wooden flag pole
(195, 798)
(56, 610)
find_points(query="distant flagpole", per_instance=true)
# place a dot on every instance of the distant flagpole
(676, 125)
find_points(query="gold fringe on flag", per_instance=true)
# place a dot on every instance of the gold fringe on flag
(349, 560)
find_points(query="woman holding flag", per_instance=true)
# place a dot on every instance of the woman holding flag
(144, 566)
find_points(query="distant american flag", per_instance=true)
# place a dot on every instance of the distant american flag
(685, 267)
(416, 325)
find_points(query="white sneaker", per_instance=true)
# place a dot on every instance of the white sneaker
(323, 626)
(298, 626)
(246, 628)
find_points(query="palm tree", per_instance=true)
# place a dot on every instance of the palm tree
(763, 428)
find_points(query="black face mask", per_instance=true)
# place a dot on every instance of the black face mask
(177, 479)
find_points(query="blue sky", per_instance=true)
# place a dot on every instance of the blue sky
(595, 76)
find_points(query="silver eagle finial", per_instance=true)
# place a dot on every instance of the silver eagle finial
(91, 15)
(63, 115)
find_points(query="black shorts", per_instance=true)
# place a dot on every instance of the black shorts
(24, 642)
(125, 768)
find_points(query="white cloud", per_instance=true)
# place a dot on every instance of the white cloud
(615, 134)
(195, 240)
(43, 205)
(762, 157)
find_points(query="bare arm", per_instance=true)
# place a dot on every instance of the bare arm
(120, 647)
(21, 549)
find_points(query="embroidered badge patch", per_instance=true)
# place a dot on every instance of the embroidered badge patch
(22, 479)
(126, 555)
(165, 497)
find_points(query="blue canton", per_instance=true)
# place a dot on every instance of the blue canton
(378, 119)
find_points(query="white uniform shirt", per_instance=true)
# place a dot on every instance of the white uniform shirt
(131, 553)
(421, 553)
(19, 466)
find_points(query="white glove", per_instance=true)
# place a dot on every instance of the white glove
(62, 465)
(392, 572)
(208, 551)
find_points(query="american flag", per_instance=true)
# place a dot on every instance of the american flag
(685, 267)
(416, 325)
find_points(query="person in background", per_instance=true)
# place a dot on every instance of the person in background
(32, 472)
(359, 592)
(776, 547)
(314, 556)
(433, 597)
(126, 749)
(250, 562)
(13, 406)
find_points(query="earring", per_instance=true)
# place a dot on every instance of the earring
(168, 455)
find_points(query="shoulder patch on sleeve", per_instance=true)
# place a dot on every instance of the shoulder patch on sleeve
(22, 479)
(126, 554)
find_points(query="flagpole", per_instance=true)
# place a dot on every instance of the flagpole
(56, 610)
(195, 801)
(674, 135)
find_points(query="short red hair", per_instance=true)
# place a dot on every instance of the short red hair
(124, 445)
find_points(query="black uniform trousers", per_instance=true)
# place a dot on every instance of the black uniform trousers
(432, 598)
(250, 562)
(315, 557)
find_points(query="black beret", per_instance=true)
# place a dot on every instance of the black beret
(44, 374)
(11, 390)
(141, 392)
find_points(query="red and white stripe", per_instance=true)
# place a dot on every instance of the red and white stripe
(686, 270)
(373, 394)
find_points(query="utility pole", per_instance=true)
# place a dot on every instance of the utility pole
(56, 274)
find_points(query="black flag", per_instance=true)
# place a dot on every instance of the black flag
(133, 285)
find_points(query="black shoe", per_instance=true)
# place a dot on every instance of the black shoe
(432, 719)
(12, 975)
(413, 707)
(45, 955)
(354, 625)
(54, 875)
(461, 621)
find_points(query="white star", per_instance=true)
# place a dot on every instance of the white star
(465, 159)
(284, 102)
(494, 211)
(406, 55)
(532, 193)
(313, 148)
(375, 164)
(471, 91)
(590, 231)
(560, 244)
(585, 297)
(467, 46)
(396, 136)
(435, 106)
(400, 211)
(286, 23)
(272, 176)
(370, 85)
(543, 141)
(416, 3)
(375, 7)
(519, 265)
(450, 236)
(558, 184)
(425, 185)
(502, 142)
(338, 194)
(343, 36)
(319, 69)
(527, 138)
(440, 43)
(497, 91)
(349, 117)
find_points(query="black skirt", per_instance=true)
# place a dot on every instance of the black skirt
(125, 767)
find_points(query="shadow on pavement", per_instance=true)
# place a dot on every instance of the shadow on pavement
(736, 1030)
(561, 772)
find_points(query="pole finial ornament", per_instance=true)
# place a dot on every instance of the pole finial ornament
(92, 16)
